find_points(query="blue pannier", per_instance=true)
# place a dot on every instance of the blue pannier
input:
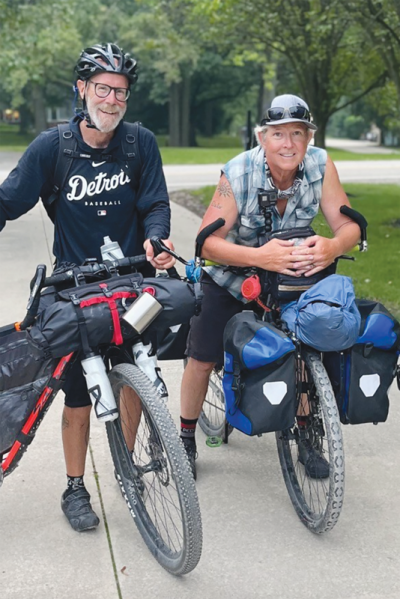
(361, 376)
(259, 375)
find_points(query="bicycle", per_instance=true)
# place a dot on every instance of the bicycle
(317, 502)
(151, 466)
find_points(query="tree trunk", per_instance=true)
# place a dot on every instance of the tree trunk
(174, 130)
(208, 119)
(320, 134)
(39, 109)
(185, 113)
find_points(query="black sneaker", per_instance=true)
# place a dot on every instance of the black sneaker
(191, 451)
(314, 463)
(76, 506)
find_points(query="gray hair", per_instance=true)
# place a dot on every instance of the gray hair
(262, 129)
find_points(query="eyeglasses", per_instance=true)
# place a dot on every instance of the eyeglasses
(293, 112)
(102, 91)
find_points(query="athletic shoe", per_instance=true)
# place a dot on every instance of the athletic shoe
(76, 506)
(191, 451)
(314, 463)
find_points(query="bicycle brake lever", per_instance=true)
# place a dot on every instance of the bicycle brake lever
(159, 247)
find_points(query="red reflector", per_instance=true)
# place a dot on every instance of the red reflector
(251, 288)
(150, 290)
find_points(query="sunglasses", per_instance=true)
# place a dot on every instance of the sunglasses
(293, 112)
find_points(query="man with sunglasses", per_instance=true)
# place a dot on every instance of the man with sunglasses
(303, 178)
(106, 192)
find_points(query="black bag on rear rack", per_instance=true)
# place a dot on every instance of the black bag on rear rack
(259, 375)
(361, 376)
(24, 373)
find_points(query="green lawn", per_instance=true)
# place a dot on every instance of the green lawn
(216, 150)
(376, 273)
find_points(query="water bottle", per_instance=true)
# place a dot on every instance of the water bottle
(99, 388)
(111, 250)
(148, 364)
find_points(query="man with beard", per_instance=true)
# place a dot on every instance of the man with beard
(106, 192)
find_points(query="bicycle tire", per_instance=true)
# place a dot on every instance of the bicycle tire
(212, 420)
(157, 483)
(317, 502)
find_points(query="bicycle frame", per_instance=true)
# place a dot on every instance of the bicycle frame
(28, 431)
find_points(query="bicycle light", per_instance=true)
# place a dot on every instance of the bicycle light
(142, 312)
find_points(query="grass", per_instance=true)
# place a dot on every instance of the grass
(345, 155)
(376, 273)
(211, 150)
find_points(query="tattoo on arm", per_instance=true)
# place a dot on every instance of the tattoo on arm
(65, 422)
(224, 189)
(216, 204)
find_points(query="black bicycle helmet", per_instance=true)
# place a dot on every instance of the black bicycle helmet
(106, 58)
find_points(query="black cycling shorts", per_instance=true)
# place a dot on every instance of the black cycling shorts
(75, 389)
(205, 339)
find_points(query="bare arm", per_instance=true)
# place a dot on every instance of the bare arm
(275, 255)
(318, 252)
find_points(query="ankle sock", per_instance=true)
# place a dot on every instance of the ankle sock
(74, 483)
(188, 429)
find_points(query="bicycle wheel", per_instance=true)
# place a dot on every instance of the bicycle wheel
(212, 419)
(155, 478)
(318, 502)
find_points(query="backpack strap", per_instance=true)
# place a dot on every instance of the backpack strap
(66, 149)
(130, 149)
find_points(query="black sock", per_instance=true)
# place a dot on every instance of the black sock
(188, 429)
(74, 483)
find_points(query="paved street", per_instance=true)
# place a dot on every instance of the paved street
(254, 545)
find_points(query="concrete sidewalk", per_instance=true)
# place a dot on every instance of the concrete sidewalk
(254, 544)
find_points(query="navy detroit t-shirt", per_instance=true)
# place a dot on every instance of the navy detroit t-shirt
(98, 198)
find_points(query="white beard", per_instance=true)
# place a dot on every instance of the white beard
(105, 123)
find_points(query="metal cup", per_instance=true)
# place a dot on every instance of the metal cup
(142, 312)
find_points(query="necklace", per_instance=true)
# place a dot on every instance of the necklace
(286, 194)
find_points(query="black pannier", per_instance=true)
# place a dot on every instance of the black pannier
(259, 375)
(24, 373)
(98, 307)
(361, 376)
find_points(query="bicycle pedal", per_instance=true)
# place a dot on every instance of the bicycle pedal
(214, 441)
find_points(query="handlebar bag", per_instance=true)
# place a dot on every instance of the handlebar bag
(259, 375)
(285, 288)
(24, 373)
(362, 375)
(90, 315)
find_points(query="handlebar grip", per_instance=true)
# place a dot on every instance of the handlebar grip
(354, 215)
(63, 277)
(361, 221)
(34, 299)
(209, 230)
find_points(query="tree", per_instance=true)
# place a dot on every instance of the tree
(39, 44)
(319, 40)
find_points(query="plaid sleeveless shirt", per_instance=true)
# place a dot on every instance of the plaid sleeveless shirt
(246, 175)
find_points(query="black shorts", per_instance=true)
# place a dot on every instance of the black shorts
(205, 339)
(75, 389)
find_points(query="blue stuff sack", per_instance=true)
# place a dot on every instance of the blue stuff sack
(259, 375)
(361, 376)
(326, 316)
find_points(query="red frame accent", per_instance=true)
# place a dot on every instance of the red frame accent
(40, 404)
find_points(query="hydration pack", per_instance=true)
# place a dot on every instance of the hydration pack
(361, 376)
(259, 375)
